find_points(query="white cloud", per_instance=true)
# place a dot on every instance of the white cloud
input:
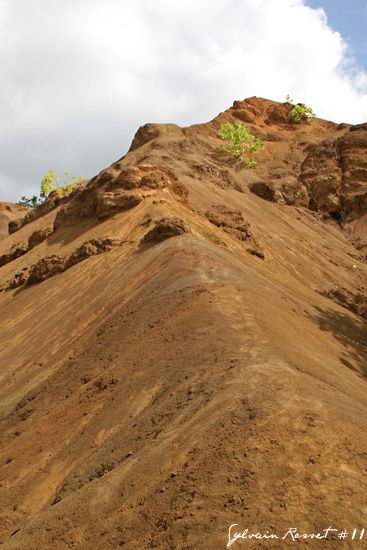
(78, 77)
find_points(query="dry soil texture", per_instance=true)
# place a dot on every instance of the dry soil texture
(183, 344)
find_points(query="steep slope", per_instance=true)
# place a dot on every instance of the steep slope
(179, 354)
(8, 213)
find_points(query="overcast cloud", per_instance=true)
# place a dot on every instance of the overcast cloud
(77, 77)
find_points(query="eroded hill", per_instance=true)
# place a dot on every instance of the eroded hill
(183, 343)
(8, 213)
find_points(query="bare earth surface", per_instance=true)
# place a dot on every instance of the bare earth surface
(8, 213)
(183, 345)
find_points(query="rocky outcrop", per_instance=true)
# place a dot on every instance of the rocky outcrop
(321, 174)
(249, 110)
(15, 252)
(20, 249)
(284, 190)
(20, 279)
(38, 236)
(91, 248)
(9, 213)
(144, 177)
(231, 221)
(149, 132)
(45, 268)
(335, 175)
(278, 114)
(354, 301)
(254, 108)
(15, 225)
(331, 179)
(353, 156)
(110, 203)
(119, 188)
(52, 265)
(256, 251)
(53, 201)
(166, 228)
(218, 176)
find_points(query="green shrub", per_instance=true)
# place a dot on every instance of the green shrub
(300, 112)
(47, 183)
(50, 183)
(251, 163)
(239, 139)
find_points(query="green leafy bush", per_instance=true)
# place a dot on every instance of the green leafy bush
(300, 112)
(50, 183)
(239, 139)
(251, 163)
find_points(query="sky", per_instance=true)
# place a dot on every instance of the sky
(349, 17)
(78, 77)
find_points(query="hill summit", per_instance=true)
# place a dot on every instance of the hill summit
(184, 344)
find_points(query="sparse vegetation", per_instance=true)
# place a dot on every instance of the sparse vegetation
(251, 163)
(300, 112)
(298, 195)
(343, 217)
(239, 139)
(29, 202)
(49, 183)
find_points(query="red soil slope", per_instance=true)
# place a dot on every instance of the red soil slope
(183, 344)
